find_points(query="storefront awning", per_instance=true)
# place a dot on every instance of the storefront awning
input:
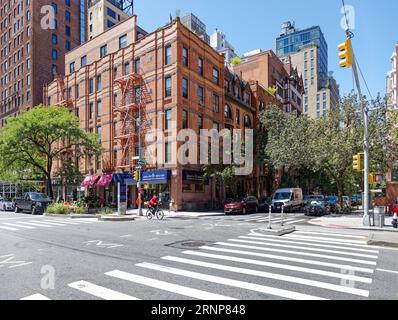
(105, 180)
(123, 178)
(90, 181)
(156, 177)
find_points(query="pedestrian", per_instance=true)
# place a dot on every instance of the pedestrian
(102, 201)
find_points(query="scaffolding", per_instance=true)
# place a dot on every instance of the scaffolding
(131, 113)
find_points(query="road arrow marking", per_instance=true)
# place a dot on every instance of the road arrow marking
(102, 244)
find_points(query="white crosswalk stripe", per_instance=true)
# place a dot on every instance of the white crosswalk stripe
(178, 289)
(36, 297)
(100, 292)
(294, 267)
(17, 225)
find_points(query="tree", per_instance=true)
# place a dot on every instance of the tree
(236, 61)
(33, 141)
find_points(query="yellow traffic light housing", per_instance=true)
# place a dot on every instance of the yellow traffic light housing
(346, 55)
(356, 164)
(371, 179)
(136, 175)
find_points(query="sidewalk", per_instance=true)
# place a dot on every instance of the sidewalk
(352, 221)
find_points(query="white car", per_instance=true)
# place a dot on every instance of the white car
(6, 205)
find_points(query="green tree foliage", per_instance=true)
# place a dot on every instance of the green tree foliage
(236, 61)
(32, 142)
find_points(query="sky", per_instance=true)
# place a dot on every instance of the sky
(254, 24)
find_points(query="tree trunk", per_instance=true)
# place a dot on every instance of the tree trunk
(49, 187)
(339, 186)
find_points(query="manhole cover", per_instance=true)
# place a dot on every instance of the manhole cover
(190, 244)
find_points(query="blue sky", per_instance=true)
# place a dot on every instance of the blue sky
(252, 24)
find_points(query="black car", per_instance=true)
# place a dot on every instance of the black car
(32, 202)
(264, 206)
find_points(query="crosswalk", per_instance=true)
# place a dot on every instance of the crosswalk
(288, 219)
(42, 223)
(299, 266)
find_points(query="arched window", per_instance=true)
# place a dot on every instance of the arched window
(247, 121)
(227, 112)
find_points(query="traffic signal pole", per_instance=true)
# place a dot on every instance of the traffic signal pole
(365, 113)
(140, 213)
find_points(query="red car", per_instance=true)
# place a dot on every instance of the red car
(242, 206)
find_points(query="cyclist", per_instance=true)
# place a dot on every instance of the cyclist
(153, 203)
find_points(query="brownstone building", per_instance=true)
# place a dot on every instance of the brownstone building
(32, 49)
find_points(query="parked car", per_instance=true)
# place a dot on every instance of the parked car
(264, 205)
(318, 206)
(291, 199)
(33, 202)
(242, 206)
(332, 202)
(6, 205)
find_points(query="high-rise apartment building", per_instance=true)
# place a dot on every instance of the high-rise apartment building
(198, 27)
(308, 52)
(392, 174)
(218, 41)
(392, 81)
(32, 49)
(104, 14)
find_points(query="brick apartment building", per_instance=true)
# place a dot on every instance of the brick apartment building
(31, 56)
(270, 72)
(184, 79)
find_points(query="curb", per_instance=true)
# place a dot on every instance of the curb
(73, 216)
(116, 218)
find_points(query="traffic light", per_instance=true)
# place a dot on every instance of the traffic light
(356, 163)
(136, 175)
(346, 55)
(371, 179)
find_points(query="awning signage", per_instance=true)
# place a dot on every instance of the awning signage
(193, 176)
(156, 177)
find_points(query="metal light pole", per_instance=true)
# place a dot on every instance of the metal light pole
(365, 112)
(269, 217)
(140, 213)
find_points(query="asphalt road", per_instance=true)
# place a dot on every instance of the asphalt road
(204, 258)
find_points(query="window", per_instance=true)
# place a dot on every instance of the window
(67, 45)
(185, 88)
(200, 122)
(99, 108)
(216, 126)
(83, 61)
(168, 55)
(76, 91)
(227, 112)
(237, 117)
(137, 65)
(67, 31)
(54, 54)
(167, 124)
(127, 68)
(91, 86)
(111, 13)
(54, 7)
(185, 56)
(200, 96)
(91, 110)
(168, 86)
(72, 67)
(54, 39)
(67, 15)
(110, 23)
(123, 41)
(184, 119)
(216, 103)
(247, 121)
(67, 2)
(99, 83)
(137, 94)
(103, 51)
(168, 152)
(200, 66)
(216, 74)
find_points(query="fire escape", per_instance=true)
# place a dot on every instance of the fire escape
(63, 98)
(131, 113)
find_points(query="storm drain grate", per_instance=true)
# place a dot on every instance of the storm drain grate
(190, 244)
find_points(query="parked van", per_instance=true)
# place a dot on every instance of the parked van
(291, 199)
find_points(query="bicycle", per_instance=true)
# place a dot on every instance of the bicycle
(152, 212)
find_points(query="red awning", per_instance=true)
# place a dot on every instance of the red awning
(105, 180)
(90, 181)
